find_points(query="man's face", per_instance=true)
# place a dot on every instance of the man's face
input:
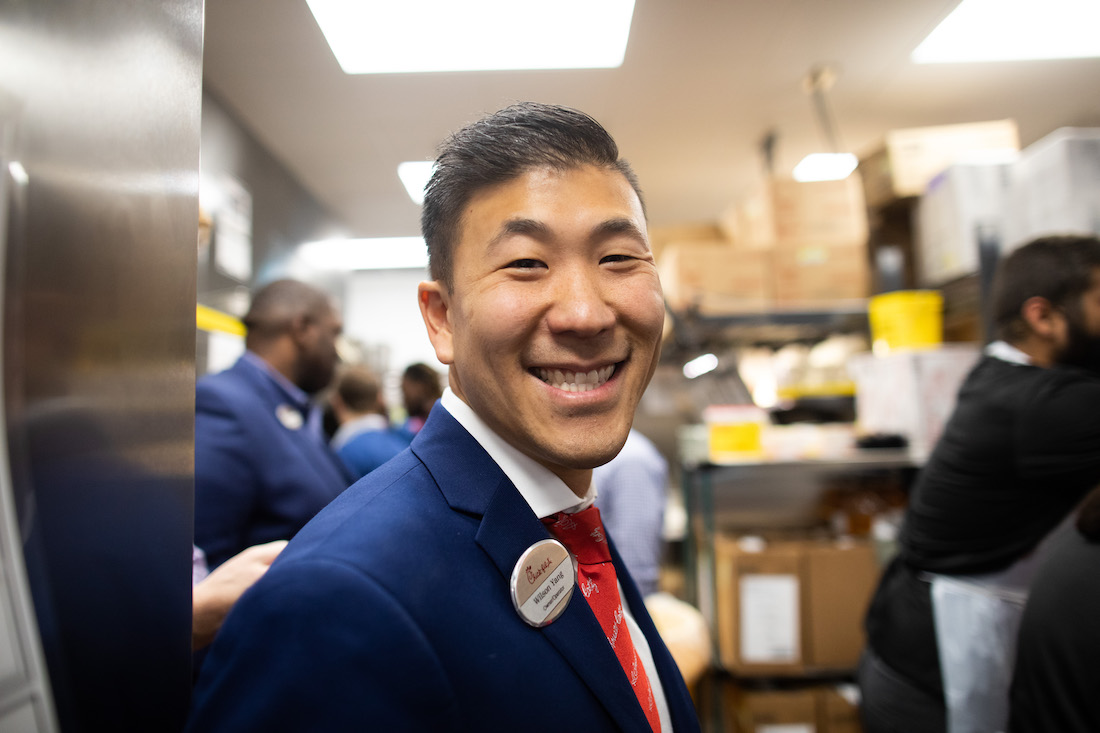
(552, 329)
(317, 355)
(1082, 336)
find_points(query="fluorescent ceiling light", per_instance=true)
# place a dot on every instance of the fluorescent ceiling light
(1014, 30)
(825, 167)
(387, 37)
(415, 174)
(383, 253)
(700, 365)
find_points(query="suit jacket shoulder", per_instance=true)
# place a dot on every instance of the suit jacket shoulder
(418, 557)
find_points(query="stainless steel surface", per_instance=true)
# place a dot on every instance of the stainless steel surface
(98, 345)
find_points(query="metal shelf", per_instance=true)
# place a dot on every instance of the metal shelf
(695, 331)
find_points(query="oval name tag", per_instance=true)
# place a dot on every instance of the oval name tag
(542, 582)
(289, 417)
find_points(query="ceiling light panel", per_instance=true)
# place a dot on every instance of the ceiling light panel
(414, 174)
(1014, 30)
(370, 37)
(825, 167)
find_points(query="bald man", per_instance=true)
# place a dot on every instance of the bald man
(262, 466)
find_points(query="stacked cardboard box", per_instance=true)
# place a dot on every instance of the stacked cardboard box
(791, 607)
(899, 170)
(814, 708)
(714, 278)
(911, 157)
(814, 235)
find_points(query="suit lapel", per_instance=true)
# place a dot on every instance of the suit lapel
(507, 529)
(473, 483)
(324, 460)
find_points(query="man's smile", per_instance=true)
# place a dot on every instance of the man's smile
(571, 381)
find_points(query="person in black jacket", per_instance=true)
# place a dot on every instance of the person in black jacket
(1055, 680)
(1018, 454)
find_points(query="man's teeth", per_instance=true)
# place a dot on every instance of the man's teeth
(576, 381)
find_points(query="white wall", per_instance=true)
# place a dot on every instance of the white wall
(380, 312)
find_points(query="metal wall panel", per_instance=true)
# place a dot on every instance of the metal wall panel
(103, 105)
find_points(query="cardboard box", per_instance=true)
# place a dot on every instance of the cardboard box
(788, 607)
(910, 393)
(838, 709)
(782, 210)
(771, 711)
(661, 237)
(1055, 187)
(960, 206)
(909, 158)
(839, 578)
(715, 278)
(811, 274)
(758, 605)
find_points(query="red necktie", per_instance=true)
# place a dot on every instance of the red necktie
(583, 534)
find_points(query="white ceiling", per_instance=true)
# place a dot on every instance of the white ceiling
(702, 82)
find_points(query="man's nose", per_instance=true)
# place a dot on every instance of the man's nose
(580, 303)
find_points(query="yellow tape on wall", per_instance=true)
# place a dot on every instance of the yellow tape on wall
(208, 319)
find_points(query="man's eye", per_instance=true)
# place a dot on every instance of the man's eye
(617, 258)
(526, 264)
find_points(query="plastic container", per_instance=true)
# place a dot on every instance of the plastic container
(906, 319)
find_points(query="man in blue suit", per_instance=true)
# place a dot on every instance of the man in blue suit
(262, 465)
(430, 596)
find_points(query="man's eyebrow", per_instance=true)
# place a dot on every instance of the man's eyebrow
(539, 230)
(619, 226)
(528, 227)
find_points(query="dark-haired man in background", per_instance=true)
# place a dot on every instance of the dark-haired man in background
(430, 597)
(1016, 457)
(262, 464)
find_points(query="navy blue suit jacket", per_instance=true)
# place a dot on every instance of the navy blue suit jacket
(391, 611)
(256, 479)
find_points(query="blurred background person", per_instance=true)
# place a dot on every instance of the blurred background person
(262, 465)
(1055, 681)
(420, 388)
(214, 593)
(1017, 455)
(631, 494)
(365, 439)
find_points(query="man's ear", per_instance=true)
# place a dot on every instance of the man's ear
(1042, 317)
(299, 329)
(434, 301)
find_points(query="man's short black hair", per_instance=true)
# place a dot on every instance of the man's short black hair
(499, 148)
(1058, 268)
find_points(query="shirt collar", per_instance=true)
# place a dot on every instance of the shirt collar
(372, 422)
(295, 393)
(543, 491)
(1007, 352)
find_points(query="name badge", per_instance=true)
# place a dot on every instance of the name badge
(542, 583)
(289, 417)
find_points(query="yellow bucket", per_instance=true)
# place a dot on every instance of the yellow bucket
(906, 319)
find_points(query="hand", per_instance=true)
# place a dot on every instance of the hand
(215, 595)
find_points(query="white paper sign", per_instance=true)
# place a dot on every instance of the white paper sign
(769, 619)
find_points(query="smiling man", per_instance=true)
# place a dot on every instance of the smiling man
(438, 593)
